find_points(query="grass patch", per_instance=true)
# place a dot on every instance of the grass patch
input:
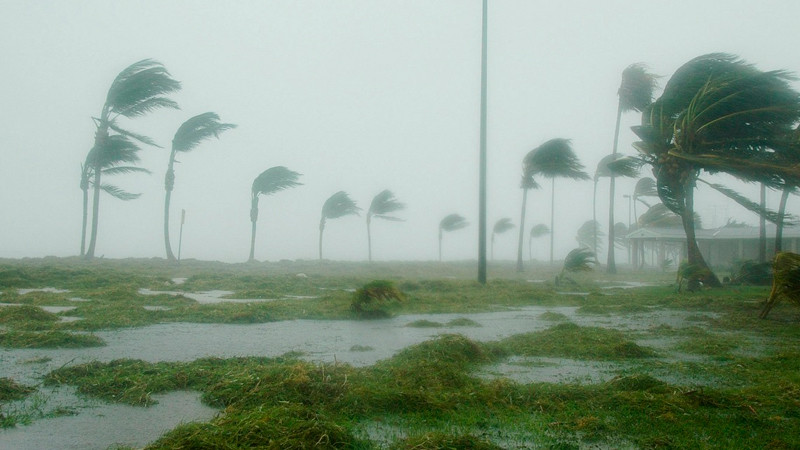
(463, 322)
(10, 390)
(361, 348)
(14, 315)
(425, 324)
(551, 316)
(48, 339)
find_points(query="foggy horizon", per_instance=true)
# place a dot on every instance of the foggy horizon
(357, 96)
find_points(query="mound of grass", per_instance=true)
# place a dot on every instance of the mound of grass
(376, 299)
(424, 324)
(638, 382)
(435, 441)
(701, 342)
(48, 339)
(463, 322)
(551, 316)
(361, 348)
(568, 340)
(25, 313)
(10, 390)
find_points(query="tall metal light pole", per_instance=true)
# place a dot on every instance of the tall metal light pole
(482, 183)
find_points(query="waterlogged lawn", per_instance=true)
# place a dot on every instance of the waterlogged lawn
(717, 378)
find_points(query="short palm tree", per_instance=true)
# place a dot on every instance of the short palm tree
(270, 181)
(500, 227)
(188, 136)
(538, 230)
(451, 222)
(612, 166)
(555, 158)
(645, 187)
(590, 235)
(580, 259)
(337, 205)
(382, 206)
(137, 90)
(635, 93)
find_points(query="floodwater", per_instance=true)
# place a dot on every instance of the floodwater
(359, 343)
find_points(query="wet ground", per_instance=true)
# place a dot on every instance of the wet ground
(99, 425)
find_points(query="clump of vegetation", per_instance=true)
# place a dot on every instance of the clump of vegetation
(48, 339)
(25, 313)
(752, 272)
(361, 348)
(376, 299)
(433, 441)
(425, 324)
(463, 322)
(10, 390)
(580, 259)
(694, 275)
(553, 316)
(786, 282)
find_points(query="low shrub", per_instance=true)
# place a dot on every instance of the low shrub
(376, 299)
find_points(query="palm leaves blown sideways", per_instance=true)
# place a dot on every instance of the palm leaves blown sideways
(270, 181)
(382, 206)
(337, 205)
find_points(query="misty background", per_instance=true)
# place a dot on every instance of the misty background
(358, 96)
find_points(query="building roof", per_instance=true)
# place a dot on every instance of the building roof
(722, 233)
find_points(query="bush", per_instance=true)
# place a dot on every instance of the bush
(375, 299)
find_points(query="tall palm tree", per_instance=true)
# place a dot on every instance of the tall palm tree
(381, 207)
(139, 89)
(589, 234)
(612, 166)
(188, 136)
(538, 230)
(717, 114)
(270, 181)
(337, 205)
(500, 227)
(451, 222)
(555, 158)
(635, 93)
(645, 187)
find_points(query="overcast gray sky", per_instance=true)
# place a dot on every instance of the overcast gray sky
(358, 96)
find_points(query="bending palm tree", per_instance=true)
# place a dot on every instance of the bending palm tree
(635, 93)
(645, 187)
(337, 205)
(500, 227)
(552, 159)
(611, 166)
(589, 234)
(136, 91)
(272, 180)
(537, 231)
(451, 222)
(382, 205)
(188, 136)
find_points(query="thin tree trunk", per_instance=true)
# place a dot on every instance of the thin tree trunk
(369, 238)
(85, 189)
(321, 228)
(522, 230)
(482, 151)
(95, 213)
(440, 245)
(611, 265)
(530, 248)
(694, 256)
(169, 183)
(552, 216)
(779, 223)
(762, 227)
(492, 249)
(253, 220)
(594, 216)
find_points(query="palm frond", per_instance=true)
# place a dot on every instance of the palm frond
(659, 216)
(767, 214)
(383, 204)
(586, 234)
(645, 187)
(453, 222)
(554, 158)
(115, 150)
(618, 165)
(636, 90)
(140, 88)
(502, 225)
(339, 205)
(139, 137)
(121, 170)
(275, 179)
(579, 260)
(118, 192)
(539, 230)
(620, 233)
(197, 129)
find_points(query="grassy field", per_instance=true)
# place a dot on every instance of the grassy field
(721, 378)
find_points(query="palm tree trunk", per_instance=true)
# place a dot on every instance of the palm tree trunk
(594, 217)
(253, 220)
(440, 245)
(530, 248)
(321, 229)
(369, 238)
(522, 230)
(611, 265)
(552, 215)
(482, 151)
(85, 189)
(95, 213)
(169, 183)
(779, 223)
(492, 250)
(762, 227)
(694, 256)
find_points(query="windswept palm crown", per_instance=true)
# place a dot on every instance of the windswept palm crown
(538, 230)
(382, 206)
(637, 87)
(270, 181)
(579, 260)
(451, 222)
(500, 227)
(337, 205)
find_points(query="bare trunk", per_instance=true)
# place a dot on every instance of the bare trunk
(522, 230)
(552, 215)
(440, 245)
(369, 237)
(253, 220)
(169, 183)
(321, 229)
(762, 227)
(594, 216)
(779, 223)
(611, 265)
(694, 256)
(95, 213)
(85, 189)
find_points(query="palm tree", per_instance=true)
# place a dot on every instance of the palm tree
(188, 136)
(580, 259)
(552, 159)
(136, 91)
(635, 93)
(537, 231)
(337, 205)
(500, 227)
(382, 205)
(270, 181)
(645, 187)
(612, 166)
(451, 222)
(717, 114)
(589, 234)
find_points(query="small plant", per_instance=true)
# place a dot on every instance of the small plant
(375, 299)
(753, 273)
(693, 274)
(578, 260)
(786, 281)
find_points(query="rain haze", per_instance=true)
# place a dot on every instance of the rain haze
(358, 96)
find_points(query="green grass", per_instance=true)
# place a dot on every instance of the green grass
(48, 339)
(11, 390)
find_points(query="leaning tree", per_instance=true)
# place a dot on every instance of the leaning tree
(501, 226)
(139, 89)
(337, 205)
(186, 139)
(270, 181)
(451, 222)
(381, 207)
